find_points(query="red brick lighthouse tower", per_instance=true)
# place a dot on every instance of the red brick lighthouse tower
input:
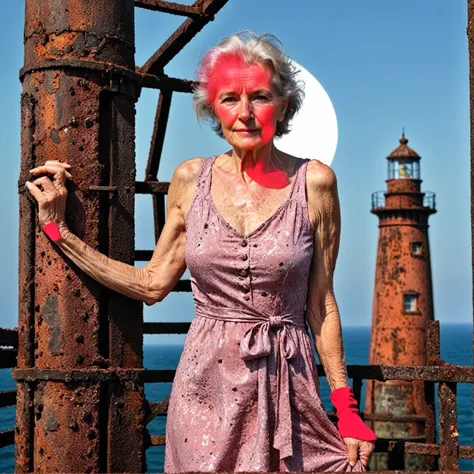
(403, 300)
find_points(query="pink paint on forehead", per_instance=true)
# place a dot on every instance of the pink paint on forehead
(231, 74)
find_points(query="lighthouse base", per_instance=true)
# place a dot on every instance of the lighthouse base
(396, 412)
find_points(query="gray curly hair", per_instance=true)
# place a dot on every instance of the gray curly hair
(263, 49)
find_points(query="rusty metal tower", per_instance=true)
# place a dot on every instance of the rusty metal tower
(80, 346)
(80, 397)
(403, 299)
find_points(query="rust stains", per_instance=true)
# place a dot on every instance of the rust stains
(50, 315)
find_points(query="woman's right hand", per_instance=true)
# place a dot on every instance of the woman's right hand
(52, 197)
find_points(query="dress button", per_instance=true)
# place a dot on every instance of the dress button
(244, 273)
(244, 257)
(246, 297)
(264, 293)
(244, 243)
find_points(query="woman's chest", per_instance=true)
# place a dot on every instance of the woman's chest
(278, 255)
(281, 245)
(246, 208)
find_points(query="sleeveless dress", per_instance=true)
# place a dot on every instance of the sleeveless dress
(246, 396)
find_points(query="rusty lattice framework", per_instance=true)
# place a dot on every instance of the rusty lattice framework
(80, 399)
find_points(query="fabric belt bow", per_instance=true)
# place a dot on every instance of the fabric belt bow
(256, 343)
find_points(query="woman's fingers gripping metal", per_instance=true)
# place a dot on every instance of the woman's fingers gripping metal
(52, 168)
(35, 191)
(61, 163)
(45, 182)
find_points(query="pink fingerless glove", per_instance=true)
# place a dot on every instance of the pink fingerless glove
(350, 423)
(52, 231)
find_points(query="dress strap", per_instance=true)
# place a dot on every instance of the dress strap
(204, 180)
(298, 192)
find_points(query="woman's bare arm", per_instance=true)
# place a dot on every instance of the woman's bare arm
(322, 311)
(156, 279)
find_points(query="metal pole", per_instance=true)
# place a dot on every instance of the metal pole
(470, 36)
(80, 398)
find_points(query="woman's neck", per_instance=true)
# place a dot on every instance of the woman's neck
(266, 157)
(266, 166)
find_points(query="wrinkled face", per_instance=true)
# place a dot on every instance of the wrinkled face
(245, 103)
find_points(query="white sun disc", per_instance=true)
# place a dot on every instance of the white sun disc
(314, 128)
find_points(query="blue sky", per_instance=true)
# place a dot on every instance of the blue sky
(385, 65)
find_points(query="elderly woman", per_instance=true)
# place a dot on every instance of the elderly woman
(259, 231)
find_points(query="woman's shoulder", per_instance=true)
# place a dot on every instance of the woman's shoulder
(185, 178)
(319, 176)
(187, 172)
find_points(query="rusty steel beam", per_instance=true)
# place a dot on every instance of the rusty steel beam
(457, 374)
(7, 438)
(433, 357)
(92, 375)
(390, 417)
(158, 409)
(152, 187)
(7, 398)
(357, 388)
(448, 427)
(78, 104)
(466, 452)
(470, 37)
(447, 373)
(433, 343)
(159, 214)
(381, 446)
(165, 328)
(182, 36)
(158, 376)
(166, 83)
(157, 440)
(430, 422)
(8, 358)
(158, 136)
(400, 446)
(172, 7)
(154, 158)
(9, 337)
(161, 409)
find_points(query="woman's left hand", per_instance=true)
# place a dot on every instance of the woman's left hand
(358, 450)
(52, 195)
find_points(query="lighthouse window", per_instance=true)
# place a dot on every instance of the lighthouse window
(416, 248)
(400, 169)
(409, 303)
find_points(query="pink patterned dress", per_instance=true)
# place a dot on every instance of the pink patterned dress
(246, 395)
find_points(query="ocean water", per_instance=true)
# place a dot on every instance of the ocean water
(456, 348)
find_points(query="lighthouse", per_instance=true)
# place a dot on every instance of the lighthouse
(403, 302)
